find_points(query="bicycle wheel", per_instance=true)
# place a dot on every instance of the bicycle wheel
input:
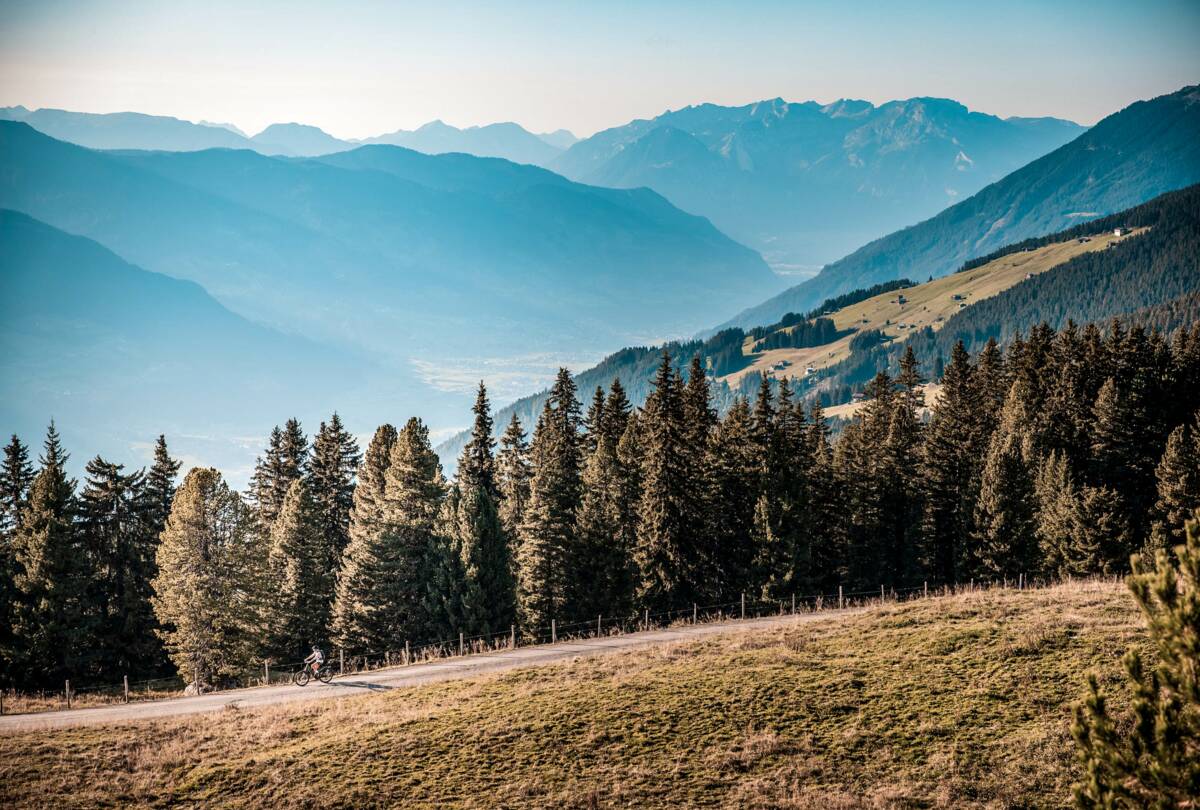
(326, 674)
(302, 677)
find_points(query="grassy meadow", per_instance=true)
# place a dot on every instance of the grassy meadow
(958, 701)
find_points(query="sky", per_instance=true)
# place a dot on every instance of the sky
(363, 68)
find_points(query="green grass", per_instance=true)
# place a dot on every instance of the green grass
(953, 702)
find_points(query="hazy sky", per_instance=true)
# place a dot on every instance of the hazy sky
(358, 69)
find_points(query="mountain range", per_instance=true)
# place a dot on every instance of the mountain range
(806, 183)
(1129, 157)
(129, 130)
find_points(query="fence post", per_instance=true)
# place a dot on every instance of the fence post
(599, 624)
(512, 636)
(927, 589)
(67, 692)
(1, 702)
(407, 659)
(266, 674)
(841, 601)
(646, 621)
(743, 605)
(881, 597)
(793, 604)
(126, 680)
(553, 631)
(341, 661)
(695, 613)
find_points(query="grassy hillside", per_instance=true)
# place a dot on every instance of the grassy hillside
(897, 315)
(961, 701)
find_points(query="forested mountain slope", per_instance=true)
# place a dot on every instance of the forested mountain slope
(1082, 274)
(805, 183)
(1148, 148)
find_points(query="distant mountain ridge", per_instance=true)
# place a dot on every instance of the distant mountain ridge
(1131, 156)
(805, 183)
(130, 130)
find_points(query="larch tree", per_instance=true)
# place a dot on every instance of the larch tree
(209, 588)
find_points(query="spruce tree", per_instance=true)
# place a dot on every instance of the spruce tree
(546, 572)
(52, 574)
(285, 461)
(16, 475)
(734, 494)
(160, 487)
(208, 594)
(1178, 485)
(1156, 762)
(330, 483)
(665, 550)
(1005, 528)
(473, 521)
(298, 610)
(699, 421)
(948, 471)
(1117, 459)
(616, 412)
(601, 546)
(383, 591)
(115, 517)
(513, 473)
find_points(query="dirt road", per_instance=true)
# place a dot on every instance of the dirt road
(396, 677)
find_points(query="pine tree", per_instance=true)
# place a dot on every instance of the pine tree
(601, 547)
(1155, 764)
(16, 476)
(593, 422)
(114, 523)
(548, 538)
(899, 491)
(477, 464)
(1117, 461)
(298, 613)
(513, 473)
(285, 461)
(383, 590)
(734, 494)
(208, 592)
(1061, 550)
(699, 422)
(665, 551)
(1178, 485)
(330, 483)
(616, 412)
(52, 578)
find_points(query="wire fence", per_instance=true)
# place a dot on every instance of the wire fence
(349, 662)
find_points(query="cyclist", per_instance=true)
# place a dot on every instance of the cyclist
(316, 658)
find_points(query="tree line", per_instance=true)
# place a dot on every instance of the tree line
(1061, 454)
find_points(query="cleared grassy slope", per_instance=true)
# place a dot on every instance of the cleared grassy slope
(956, 702)
(928, 304)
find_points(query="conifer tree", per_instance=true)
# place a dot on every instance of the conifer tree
(209, 589)
(1156, 763)
(1117, 460)
(548, 531)
(160, 487)
(16, 475)
(1178, 485)
(593, 421)
(601, 547)
(1057, 516)
(616, 412)
(285, 461)
(383, 589)
(735, 494)
(330, 484)
(473, 521)
(52, 573)
(665, 550)
(298, 608)
(513, 473)
(949, 471)
(114, 522)
(699, 421)
(1004, 514)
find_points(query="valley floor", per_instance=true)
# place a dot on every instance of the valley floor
(956, 701)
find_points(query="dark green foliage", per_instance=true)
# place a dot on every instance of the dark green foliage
(285, 461)
(16, 475)
(1155, 763)
(301, 581)
(332, 467)
(512, 477)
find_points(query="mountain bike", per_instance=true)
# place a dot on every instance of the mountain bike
(305, 674)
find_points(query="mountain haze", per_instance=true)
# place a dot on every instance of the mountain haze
(506, 140)
(1129, 157)
(805, 183)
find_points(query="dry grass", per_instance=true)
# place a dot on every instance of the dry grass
(961, 701)
(928, 304)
